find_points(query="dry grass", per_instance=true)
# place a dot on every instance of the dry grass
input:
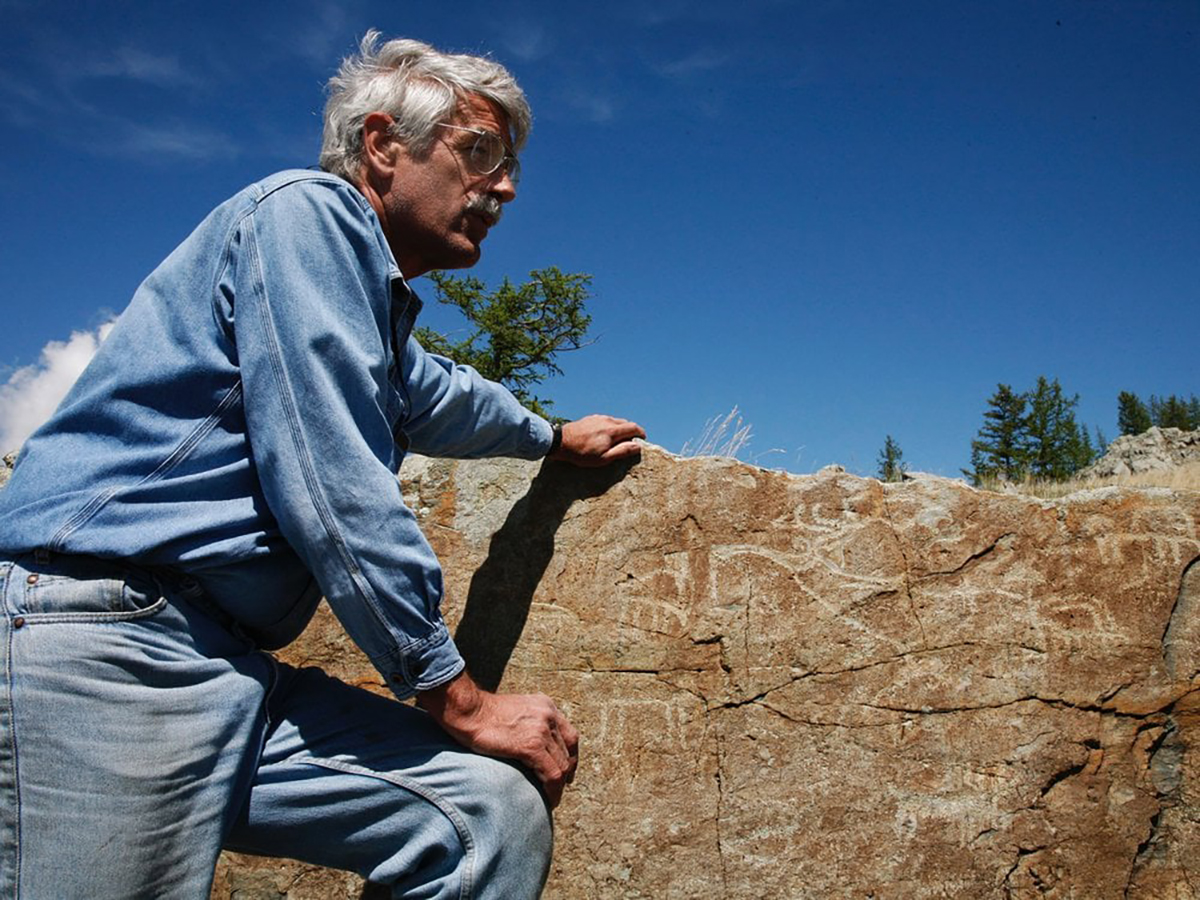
(1180, 478)
(721, 437)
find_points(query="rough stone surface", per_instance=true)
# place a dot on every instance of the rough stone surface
(825, 686)
(1155, 450)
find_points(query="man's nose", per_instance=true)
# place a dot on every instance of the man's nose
(502, 186)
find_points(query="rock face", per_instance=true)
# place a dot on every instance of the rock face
(1151, 451)
(825, 686)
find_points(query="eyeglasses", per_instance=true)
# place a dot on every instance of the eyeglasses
(489, 153)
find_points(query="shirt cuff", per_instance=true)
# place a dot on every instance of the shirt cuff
(423, 665)
(540, 436)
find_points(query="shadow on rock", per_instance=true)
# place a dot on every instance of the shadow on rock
(502, 589)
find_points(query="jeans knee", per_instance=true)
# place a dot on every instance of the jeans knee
(515, 835)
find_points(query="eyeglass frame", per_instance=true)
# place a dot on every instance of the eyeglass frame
(508, 160)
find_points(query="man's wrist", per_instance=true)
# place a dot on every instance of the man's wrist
(454, 701)
(555, 440)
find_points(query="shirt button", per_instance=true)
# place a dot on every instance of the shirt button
(32, 579)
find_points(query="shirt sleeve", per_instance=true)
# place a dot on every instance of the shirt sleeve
(454, 411)
(312, 326)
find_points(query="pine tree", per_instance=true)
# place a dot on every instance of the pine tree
(1133, 416)
(516, 331)
(1000, 449)
(1031, 434)
(890, 466)
(1171, 412)
(1057, 446)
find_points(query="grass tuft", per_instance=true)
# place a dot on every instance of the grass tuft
(721, 437)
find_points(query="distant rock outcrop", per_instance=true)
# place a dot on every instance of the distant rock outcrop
(823, 686)
(1155, 450)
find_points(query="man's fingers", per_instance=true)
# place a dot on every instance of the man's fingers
(621, 451)
(570, 739)
(625, 430)
(620, 430)
(570, 735)
(555, 760)
(596, 440)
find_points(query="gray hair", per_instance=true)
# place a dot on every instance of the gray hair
(418, 86)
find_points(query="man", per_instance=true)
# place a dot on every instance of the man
(228, 457)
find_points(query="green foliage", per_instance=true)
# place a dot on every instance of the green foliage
(1030, 435)
(999, 451)
(1175, 412)
(516, 332)
(1133, 416)
(891, 466)
(1058, 447)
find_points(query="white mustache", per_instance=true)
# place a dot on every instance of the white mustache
(487, 206)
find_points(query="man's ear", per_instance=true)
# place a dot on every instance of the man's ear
(381, 148)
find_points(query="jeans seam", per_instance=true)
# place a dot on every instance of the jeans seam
(5, 584)
(95, 618)
(432, 797)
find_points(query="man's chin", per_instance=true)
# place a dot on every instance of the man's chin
(463, 259)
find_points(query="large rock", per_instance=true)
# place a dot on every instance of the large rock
(1155, 450)
(825, 686)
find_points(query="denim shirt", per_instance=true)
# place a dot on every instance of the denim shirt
(244, 421)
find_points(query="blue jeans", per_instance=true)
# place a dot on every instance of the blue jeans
(140, 734)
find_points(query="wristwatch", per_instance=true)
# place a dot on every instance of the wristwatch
(556, 441)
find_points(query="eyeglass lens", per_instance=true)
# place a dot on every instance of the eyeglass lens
(489, 153)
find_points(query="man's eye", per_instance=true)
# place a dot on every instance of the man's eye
(486, 151)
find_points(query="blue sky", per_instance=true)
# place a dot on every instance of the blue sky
(848, 219)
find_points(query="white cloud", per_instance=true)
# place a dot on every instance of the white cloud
(595, 107)
(693, 63)
(141, 65)
(526, 39)
(33, 392)
(123, 138)
(320, 35)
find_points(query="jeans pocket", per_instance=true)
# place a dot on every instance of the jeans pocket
(51, 597)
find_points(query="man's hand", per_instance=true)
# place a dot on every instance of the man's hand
(527, 728)
(598, 441)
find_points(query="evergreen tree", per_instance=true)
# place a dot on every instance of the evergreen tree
(1000, 450)
(891, 468)
(1057, 446)
(1194, 413)
(1082, 451)
(516, 332)
(1133, 416)
(1031, 434)
(1171, 412)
